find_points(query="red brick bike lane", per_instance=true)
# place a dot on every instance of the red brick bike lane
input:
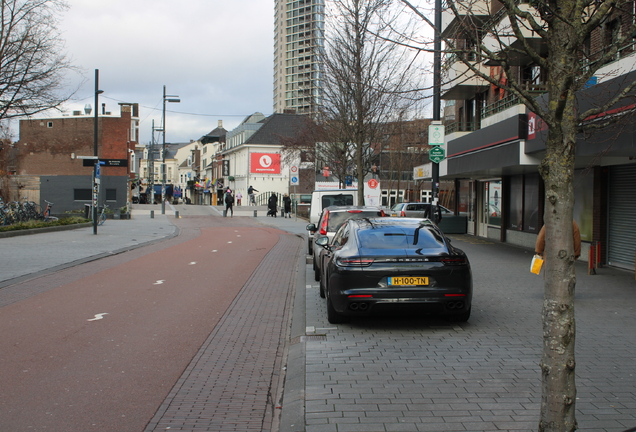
(104, 351)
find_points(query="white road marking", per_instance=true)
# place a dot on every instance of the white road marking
(229, 242)
(159, 282)
(97, 317)
(192, 263)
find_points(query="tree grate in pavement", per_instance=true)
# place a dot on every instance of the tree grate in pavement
(228, 385)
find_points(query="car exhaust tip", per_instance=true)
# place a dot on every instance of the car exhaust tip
(363, 306)
(353, 306)
(455, 305)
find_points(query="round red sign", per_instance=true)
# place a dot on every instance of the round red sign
(373, 183)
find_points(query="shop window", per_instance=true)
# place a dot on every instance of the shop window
(523, 202)
(531, 203)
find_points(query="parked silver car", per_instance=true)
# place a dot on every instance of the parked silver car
(415, 210)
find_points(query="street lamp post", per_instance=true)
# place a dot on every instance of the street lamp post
(96, 179)
(172, 99)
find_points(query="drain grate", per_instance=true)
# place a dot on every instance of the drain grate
(308, 338)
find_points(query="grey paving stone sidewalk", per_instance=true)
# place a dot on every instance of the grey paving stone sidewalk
(431, 375)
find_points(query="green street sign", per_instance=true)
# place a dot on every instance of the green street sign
(436, 154)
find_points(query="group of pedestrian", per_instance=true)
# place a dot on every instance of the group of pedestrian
(272, 206)
(272, 203)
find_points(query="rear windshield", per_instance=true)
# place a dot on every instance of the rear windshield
(338, 218)
(337, 200)
(400, 237)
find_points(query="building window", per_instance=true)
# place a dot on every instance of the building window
(49, 124)
(111, 194)
(82, 194)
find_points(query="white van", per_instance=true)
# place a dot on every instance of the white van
(327, 198)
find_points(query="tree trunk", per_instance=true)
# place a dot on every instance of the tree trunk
(557, 169)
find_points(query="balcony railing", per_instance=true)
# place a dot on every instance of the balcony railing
(625, 51)
(500, 105)
(512, 100)
(458, 126)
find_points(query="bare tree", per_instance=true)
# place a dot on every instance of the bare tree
(404, 145)
(32, 65)
(564, 28)
(367, 78)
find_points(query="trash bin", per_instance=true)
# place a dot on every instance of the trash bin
(88, 211)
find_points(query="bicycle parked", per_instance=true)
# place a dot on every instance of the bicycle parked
(46, 215)
(102, 216)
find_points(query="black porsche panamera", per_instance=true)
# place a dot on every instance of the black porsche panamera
(382, 265)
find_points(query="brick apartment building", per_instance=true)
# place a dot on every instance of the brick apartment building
(46, 163)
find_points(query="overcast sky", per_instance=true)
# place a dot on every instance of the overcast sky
(216, 55)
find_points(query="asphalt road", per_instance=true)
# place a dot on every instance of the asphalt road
(100, 345)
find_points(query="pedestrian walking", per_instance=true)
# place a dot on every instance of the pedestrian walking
(250, 193)
(239, 197)
(539, 247)
(287, 206)
(272, 205)
(229, 203)
(434, 214)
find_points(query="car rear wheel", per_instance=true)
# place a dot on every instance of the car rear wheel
(334, 317)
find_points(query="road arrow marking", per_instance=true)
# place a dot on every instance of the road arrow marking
(159, 282)
(97, 317)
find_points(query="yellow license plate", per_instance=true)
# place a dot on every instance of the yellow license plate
(408, 280)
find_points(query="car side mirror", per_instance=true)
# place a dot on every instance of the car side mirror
(323, 242)
(311, 227)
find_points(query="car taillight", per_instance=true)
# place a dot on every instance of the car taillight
(354, 211)
(402, 213)
(453, 261)
(323, 225)
(382, 213)
(355, 262)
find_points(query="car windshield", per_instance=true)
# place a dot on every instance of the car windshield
(400, 237)
(337, 200)
(338, 218)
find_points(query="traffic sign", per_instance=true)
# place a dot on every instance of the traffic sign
(294, 181)
(436, 135)
(436, 154)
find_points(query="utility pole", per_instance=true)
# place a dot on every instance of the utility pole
(174, 99)
(437, 84)
(96, 167)
(150, 191)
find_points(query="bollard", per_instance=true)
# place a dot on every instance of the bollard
(176, 214)
(254, 213)
(152, 214)
(224, 213)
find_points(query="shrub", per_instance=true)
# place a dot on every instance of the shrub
(41, 224)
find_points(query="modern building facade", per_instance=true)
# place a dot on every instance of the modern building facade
(495, 144)
(298, 38)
